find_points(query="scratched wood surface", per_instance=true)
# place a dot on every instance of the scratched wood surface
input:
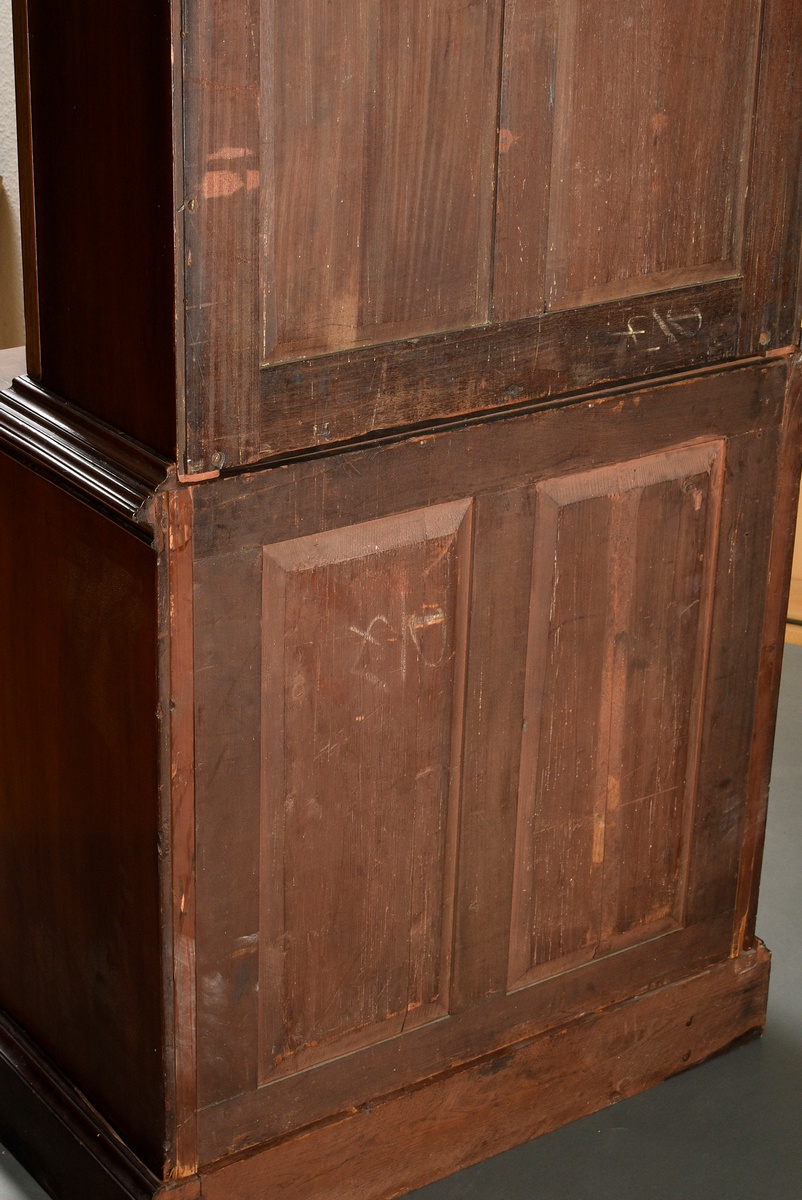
(379, 137)
(396, 217)
(386, 1150)
(628, 566)
(389, 215)
(651, 145)
(621, 577)
(363, 644)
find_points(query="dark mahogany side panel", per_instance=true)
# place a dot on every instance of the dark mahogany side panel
(101, 122)
(80, 964)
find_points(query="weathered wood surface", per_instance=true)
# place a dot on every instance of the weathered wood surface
(361, 738)
(349, 209)
(624, 540)
(385, 1150)
(171, 514)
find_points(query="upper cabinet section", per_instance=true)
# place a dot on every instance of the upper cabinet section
(399, 213)
(390, 214)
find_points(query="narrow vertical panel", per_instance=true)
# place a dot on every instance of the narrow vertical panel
(772, 305)
(379, 127)
(651, 146)
(314, 62)
(364, 647)
(743, 557)
(621, 599)
(524, 158)
(652, 777)
(494, 697)
(559, 866)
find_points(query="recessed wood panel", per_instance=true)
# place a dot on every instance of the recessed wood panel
(379, 126)
(364, 647)
(649, 115)
(621, 596)
(621, 480)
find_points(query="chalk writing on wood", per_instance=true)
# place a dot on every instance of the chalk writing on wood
(662, 329)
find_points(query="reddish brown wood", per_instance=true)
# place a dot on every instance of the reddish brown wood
(622, 589)
(771, 304)
(172, 518)
(388, 1149)
(651, 146)
(361, 732)
(655, 567)
(319, 402)
(81, 959)
(404, 98)
(464, 728)
(779, 574)
(526, 127)
(622, 163)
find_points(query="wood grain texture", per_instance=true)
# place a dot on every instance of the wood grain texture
(772, 305)
(502, 566)
(321, 402)
(172, 518)
(386, 1150)
(622, 592)
(101, 131)
(651, 146)
(379, 132)
(642, 172)
(81, 961)
(364, 654)
(526, 130)
(785, 523)
(656, 454)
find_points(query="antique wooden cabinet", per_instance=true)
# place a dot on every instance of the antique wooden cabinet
(396, 520)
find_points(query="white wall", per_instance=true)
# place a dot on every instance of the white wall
(12, 327)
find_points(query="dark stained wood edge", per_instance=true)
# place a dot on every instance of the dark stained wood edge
(56, 1134)
(88, 457)
(472, 420)
(173, 520)
(451, 1121)
(769, 314)
(30, 273)
(179, 256)
(768, 682)
(346, 398)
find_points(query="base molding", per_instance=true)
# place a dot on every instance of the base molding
(56, 1134)
(412, 1138)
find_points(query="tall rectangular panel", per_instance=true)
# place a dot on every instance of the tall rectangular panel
(621, 600)
(625, 148)
(379, 126)
(363, 660)
(651, 146)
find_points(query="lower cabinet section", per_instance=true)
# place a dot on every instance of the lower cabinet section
(464, 750)
(473, 722)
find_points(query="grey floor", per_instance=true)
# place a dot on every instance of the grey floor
(731, 1129)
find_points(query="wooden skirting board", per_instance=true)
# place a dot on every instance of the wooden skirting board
(409, 1139)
